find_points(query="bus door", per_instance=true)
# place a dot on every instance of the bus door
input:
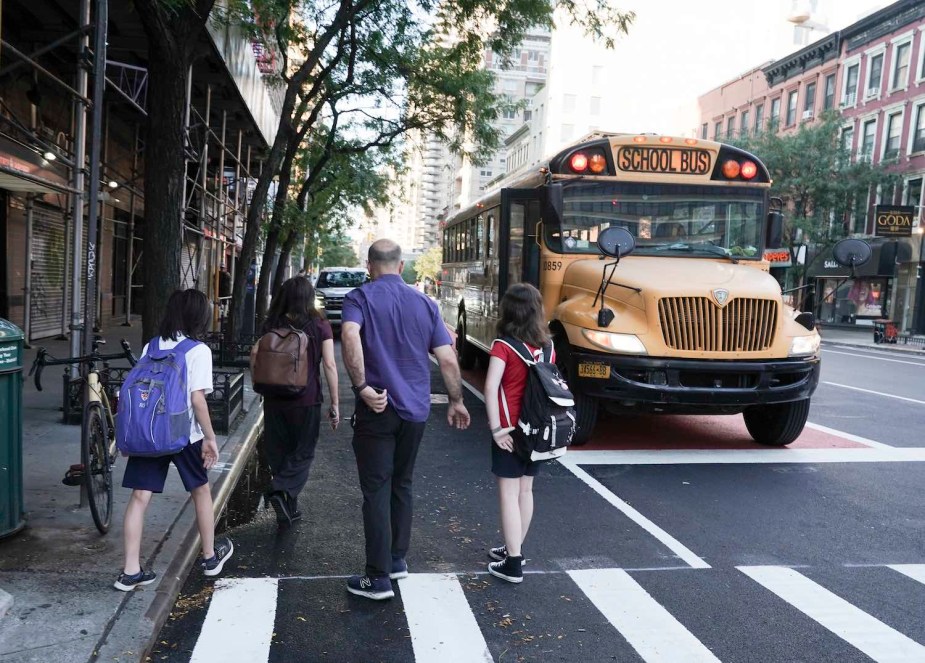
(519, 253)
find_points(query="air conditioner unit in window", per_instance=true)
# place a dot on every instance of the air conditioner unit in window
(849, 99)
(872, 92)
(807, 115)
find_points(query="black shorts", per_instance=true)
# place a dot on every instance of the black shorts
(150, 473)
(508, 465)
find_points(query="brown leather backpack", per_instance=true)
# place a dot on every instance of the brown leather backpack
(280, 363)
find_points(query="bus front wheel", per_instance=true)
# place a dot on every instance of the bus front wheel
(586, 407)
(777, 424)
(468, 353)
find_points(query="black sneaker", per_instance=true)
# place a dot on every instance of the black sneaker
(278, 501)
(292, 505)
(500, 553)
(508, 570)
(126, 583)
(399, 569)
(377, 589)
(224, 549)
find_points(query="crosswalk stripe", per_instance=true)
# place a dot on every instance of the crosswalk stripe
(239, 624)
(652, 631)
(442, 624)
(851, 624)
(914, 571)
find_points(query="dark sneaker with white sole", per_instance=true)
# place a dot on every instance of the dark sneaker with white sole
(126, 583)
(224, 549)
(399, 569)
(292, 504)
(500, 553)
(510, 569)
(280, 503)
(377, 589)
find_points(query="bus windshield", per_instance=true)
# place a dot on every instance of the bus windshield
(666, 220)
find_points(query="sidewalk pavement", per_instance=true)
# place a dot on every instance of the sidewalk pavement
(863, 337)
(58, 572)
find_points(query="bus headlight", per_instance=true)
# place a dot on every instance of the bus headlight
(624, 343)
(805, 346)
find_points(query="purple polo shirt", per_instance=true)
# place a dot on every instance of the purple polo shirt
(399, 326)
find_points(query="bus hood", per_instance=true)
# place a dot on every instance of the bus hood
(658, 277)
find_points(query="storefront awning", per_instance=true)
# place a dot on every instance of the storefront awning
(18, 181)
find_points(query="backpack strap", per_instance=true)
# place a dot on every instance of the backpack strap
(523, 351)
(186, 345)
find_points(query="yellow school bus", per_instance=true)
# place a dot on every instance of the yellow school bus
(688, 321)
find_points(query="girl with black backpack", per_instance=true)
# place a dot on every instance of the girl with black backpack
(292, 424)
(522, 320)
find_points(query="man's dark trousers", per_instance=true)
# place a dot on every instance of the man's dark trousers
(385, 446)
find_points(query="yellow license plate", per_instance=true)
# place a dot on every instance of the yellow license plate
(601, 371)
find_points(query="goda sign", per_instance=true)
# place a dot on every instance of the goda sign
(893, 220)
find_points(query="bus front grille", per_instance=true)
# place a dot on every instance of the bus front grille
(698, 324)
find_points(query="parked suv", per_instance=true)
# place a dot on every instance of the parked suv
(332, 286)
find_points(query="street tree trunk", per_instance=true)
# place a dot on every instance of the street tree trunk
(172, 36)
(284, 256)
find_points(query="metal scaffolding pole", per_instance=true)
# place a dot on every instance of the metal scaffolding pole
(130, 249)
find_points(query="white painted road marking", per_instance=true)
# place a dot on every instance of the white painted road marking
(744, 456)
(875, 357)
(914, 571)
(875, 393)
(571, 463)
(442, 624)
(859, 629)
(652, 631)
(239, 624)
(848, 436)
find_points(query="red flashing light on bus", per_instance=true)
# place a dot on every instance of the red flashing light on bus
(597, 163)
(579, 163)
(749, 170)
(731, 169)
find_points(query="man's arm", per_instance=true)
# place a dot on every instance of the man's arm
(457, 415)
(352, 351)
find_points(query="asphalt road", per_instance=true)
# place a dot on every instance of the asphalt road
(815, 553)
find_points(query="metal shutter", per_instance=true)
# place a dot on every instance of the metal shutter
(48, 272)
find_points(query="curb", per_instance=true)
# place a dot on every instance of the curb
(885, 347)
(6, 602)
(155, 614)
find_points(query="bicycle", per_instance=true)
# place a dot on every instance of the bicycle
(98, 429)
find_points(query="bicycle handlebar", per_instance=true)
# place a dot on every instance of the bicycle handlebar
(42, 360)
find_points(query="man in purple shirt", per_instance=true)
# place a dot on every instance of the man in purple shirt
(389, 328)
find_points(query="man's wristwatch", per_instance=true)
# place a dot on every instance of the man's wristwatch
(357, 389)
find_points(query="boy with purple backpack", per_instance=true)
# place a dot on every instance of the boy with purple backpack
(164, 418)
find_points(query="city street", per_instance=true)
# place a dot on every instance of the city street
(665, 539)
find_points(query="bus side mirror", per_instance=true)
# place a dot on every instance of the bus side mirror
(775, 236)
(552, 205)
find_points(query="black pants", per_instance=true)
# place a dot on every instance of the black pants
(289, 440)
(385, 446)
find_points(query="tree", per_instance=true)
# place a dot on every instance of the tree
(385, 66)
(821, 184)
(430, 265)
(173, 28)
(337, 252)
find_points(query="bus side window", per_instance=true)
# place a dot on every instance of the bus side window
(479, 235)
(491, 249)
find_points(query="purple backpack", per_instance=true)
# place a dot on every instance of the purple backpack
(154, 417)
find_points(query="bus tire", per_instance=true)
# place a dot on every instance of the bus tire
(776, 424)
(468, 353)
(586, 407)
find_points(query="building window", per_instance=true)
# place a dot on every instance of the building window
(743, 124)
(809, 101)
(894, 125)
(847, 140)
(775, 115)
(867, 140)
(730, 127)
(792, 108)
(913, 193)
(595, 106)
(703, 131)
(509, 114)
(759, 118)
(851, 85)
(874, 75)
(828, 102)
(918, 130)
(568, 103)
(718, 131)
(901, 65)
(528, 115)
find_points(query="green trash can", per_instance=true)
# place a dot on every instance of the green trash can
(11, 495)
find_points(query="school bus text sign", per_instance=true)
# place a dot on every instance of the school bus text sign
(893, 220)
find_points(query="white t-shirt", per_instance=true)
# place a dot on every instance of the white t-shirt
(198, 375)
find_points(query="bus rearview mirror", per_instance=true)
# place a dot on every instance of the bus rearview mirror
(775, 236)
(553, 204)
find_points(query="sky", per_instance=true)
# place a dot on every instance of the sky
(677, 50)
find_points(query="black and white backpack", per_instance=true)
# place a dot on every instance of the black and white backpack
(546, 424)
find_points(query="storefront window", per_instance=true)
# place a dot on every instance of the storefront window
(844, 301)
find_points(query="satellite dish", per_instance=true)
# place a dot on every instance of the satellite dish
(851, 252)
(616, 242)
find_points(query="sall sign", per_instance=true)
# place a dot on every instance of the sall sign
(893, 220)
(682, 161)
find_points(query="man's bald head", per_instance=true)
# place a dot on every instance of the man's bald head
(384, 258)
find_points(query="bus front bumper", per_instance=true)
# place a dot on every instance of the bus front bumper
(692, 385)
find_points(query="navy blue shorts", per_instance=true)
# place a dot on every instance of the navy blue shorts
(147, 473)
(508, 465)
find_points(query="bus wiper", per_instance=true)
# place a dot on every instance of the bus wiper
(702, 246)
(718, 251)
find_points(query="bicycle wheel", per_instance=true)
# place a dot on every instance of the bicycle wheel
(94, 452)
